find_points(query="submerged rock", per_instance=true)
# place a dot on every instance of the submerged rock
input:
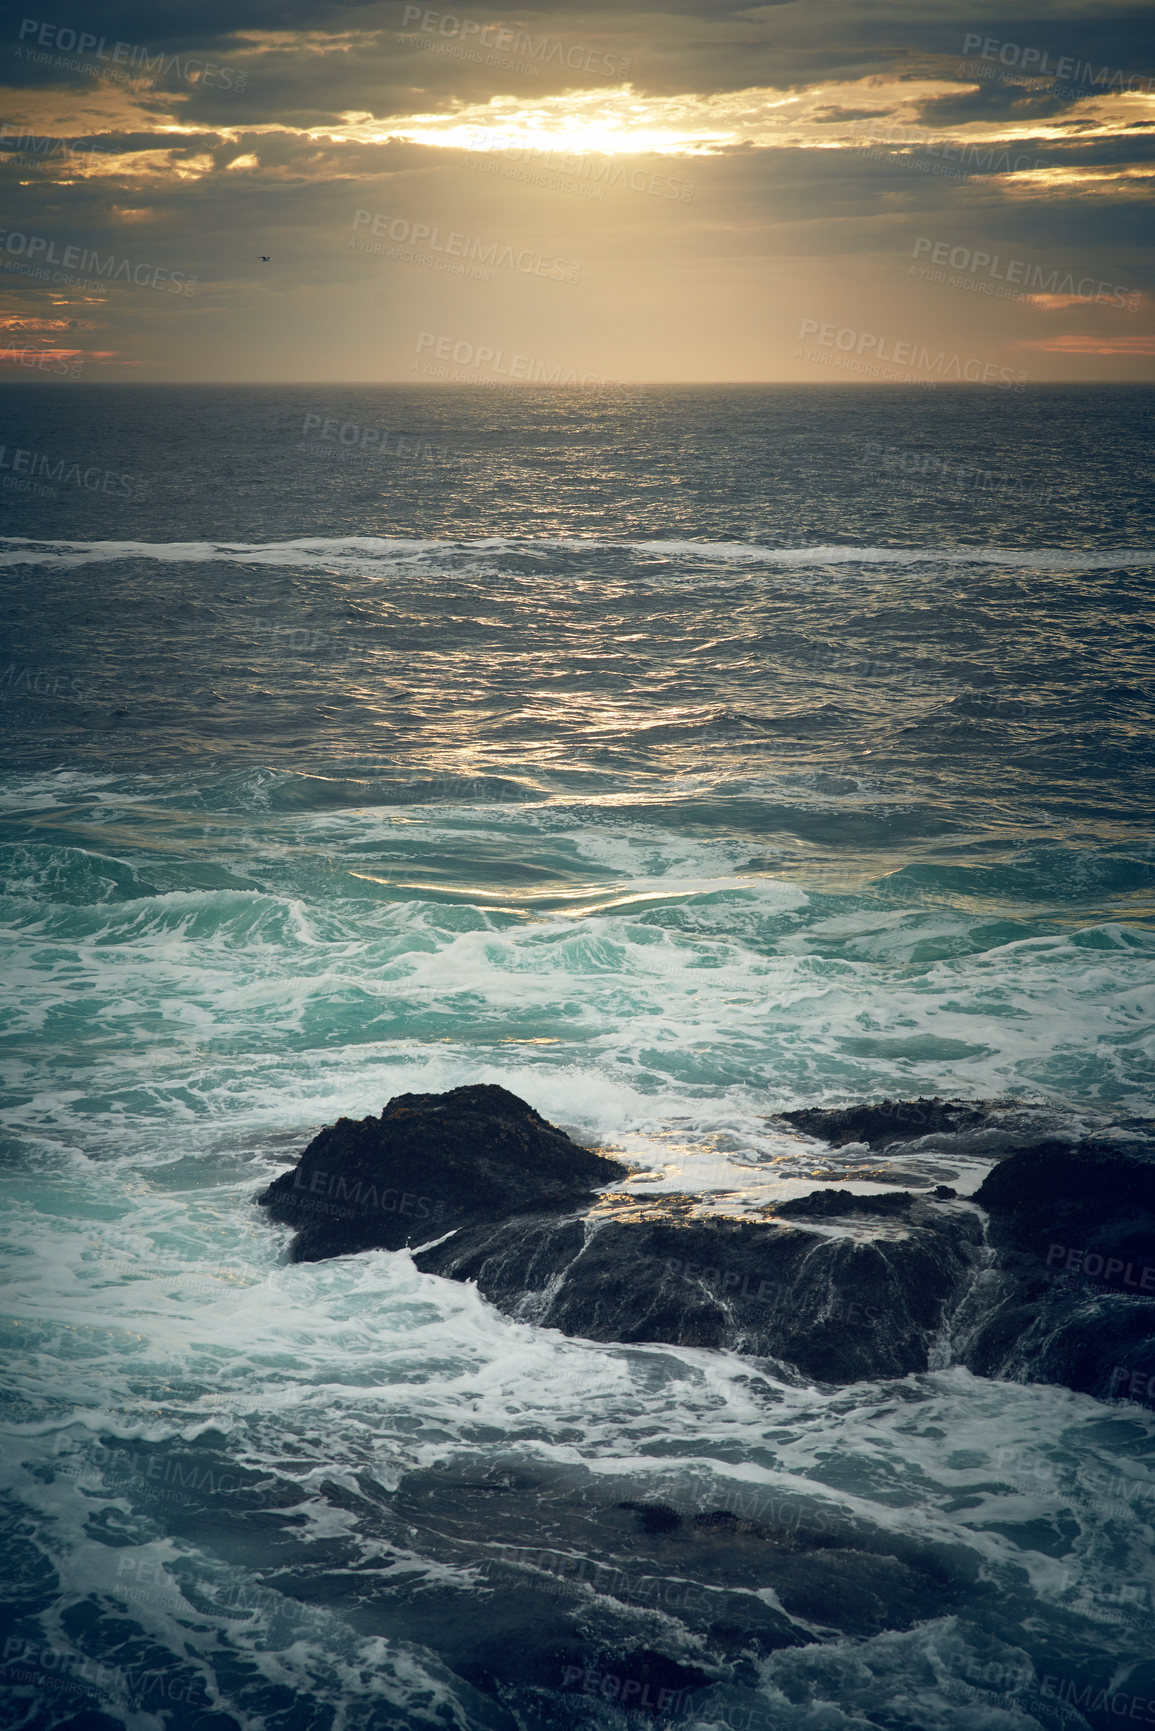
(1048, 1274)
(592, 1587)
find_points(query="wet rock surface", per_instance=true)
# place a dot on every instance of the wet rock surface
(834, 1308)
(1047, 1274)
(591, 1589)
(1073, 1230)
(890, 1121)
(429, 1164)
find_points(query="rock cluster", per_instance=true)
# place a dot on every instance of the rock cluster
(1047, 1274)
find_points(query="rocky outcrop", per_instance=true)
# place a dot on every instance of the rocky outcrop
(431, 1163)
(1048, 1274)
(890, 1121)
(1073, 1299)
(836, 1308)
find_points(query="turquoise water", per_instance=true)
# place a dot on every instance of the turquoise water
(662, 762)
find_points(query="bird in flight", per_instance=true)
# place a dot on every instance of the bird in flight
(264, 258)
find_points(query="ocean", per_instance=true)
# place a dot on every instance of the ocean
(673, 757)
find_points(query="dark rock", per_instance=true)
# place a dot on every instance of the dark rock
(723, 1518)
(868, 1578)
(1057, 1284)
(835, 1204)
(655, 1517)
(430, 1163)
(647, 1682)
(1098, 1194)
(544, 1570)
(890, 1121)
(837, 1308)
(1073, 1226)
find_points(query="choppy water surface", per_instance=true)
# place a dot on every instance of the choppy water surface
(672, 764)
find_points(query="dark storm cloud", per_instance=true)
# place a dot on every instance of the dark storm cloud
(999, 102)
(1123, 39)
(826, 187)
(187, 23)
(1119, 148)
(364, 57)
(866, 35)
(839, 116)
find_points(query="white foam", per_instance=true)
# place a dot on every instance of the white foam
(366, 553)
(681, 989)
(329, 1380)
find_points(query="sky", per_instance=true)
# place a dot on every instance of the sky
(815, 191)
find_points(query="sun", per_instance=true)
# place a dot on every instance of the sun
(614, 122)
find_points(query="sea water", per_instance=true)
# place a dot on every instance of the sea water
(672, 757)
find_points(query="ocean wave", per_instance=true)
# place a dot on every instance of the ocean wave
(364, 553)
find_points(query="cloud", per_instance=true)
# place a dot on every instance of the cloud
(807, 151)
(1049, 303)
(1139, 344)
(14, 322)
